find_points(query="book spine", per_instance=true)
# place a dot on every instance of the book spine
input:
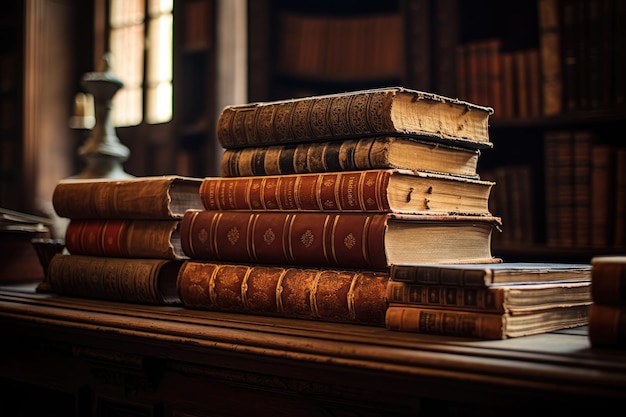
(351, 240)
(550, 47)
(363, 113)
(608, 283)
(607, 326)
(136, 200)
(445, 322)
(107, 278)
(602, 171)
(316, 294)
(443, 296)
(426, 275)
(123, 238)
(334, 191)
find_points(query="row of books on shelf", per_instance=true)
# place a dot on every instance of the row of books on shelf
(332, 244)
(508, 80)
(338, 47)
(585, 190)
(583, 60)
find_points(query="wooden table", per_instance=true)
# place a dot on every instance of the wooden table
(72, 356)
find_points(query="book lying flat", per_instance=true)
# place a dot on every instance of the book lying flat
(395, 111)
(390, 190)
(134, 280)
(446, 322)
(158, 197)
(335, 295)
(376, 152)
(349, 240)
(514, 299)
(480, 275)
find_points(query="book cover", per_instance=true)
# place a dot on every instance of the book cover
(124, 238)
(336, 295)
(134, 280)
(550, 57)
(384, 111)
(377, 152)
(481, 275)
(518, 298)
(158, 197)
(350, 240)
(398, 191)
(479, 325)
(609, 279)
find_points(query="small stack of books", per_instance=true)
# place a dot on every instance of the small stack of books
(495, 301)
(122, 239)
(607, 314)
(319, 196)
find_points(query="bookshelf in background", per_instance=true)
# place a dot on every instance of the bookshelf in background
(194, 92)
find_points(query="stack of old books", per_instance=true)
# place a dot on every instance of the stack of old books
(122, 241)
(607, 314)
(319, 196)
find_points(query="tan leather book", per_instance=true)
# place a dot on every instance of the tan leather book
(383, 111)
(157, 197)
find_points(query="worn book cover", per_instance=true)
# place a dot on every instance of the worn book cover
(609, 279)
(384, 111)
(338, 295)
(158, 197)
(398, 191)
(350, 240)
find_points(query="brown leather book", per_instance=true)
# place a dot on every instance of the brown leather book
(521, 298)
(609, 279)
(376, 152)
(134, 280)
(348, 240)
(384, 111)
(335, 295)
(124, 238)
(398, 191)
(607, 325)
(158, 197)
(480, 325)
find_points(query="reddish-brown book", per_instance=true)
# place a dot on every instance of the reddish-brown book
(398, 191)
(509, 95)
(159, 197)
(481, 325)
(376, 152)
(384, 111)
(608, 276)
(349, 240)
(550, 54)
(335, 295)
(124, 238)
(134, 280)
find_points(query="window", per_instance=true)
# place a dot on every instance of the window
(140, 42)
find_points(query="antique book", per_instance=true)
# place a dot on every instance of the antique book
(602, 206)
(608, 276)
(520, 298)
(477, 275)
(159, 197)
(550, 51)
(349, 240)
(124, 238)
(384, 190)
(377, 152)
(335, 295)
(134, 280)
(607, 326)
(480, 325)
(384, 111)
